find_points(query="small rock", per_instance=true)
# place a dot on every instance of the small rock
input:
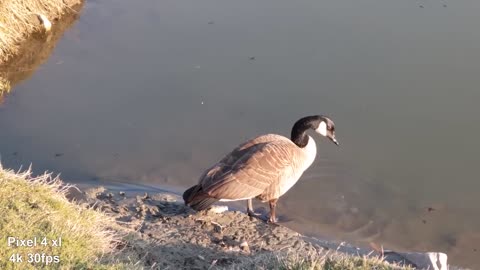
(47, 25)
(121, 193)
(232, 249)
(217, 237)
(217, 227)
(244, 247)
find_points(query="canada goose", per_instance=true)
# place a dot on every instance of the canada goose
(264, 167)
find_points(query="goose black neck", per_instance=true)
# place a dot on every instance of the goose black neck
(299, 131)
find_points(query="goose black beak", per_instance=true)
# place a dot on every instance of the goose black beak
(335, 141)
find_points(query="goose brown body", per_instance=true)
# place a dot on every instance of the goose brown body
(264, 167)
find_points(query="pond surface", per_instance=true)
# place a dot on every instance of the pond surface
(155, 92)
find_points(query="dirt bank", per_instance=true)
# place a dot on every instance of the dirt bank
(163, 233)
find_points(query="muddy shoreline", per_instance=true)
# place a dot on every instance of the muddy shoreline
(174, 236)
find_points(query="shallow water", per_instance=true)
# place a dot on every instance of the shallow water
(155, 92)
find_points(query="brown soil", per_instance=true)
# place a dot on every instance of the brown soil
(164, 233)
(160, 232)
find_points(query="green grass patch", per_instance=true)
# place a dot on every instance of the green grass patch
(35, 210)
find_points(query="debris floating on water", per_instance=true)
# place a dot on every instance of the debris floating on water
(47, 25)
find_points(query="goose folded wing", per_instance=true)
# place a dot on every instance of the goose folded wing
(248, 172)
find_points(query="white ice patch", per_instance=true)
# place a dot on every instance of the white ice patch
(218, 209)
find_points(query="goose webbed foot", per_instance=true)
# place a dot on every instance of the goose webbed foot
(251, 213)
(269, 218)
(272, 220)
(265, 217)
(262, 216)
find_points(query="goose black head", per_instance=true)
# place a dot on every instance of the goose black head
(320, 123)
(326, 128)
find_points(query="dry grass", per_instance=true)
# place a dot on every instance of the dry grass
(36, 207)
(23, 51)
(5, 86)
(316, 261)
(20, 18)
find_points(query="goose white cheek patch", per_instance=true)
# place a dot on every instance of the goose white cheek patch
(322, 128)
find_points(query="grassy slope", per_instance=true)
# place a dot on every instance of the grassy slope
(37, 207)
